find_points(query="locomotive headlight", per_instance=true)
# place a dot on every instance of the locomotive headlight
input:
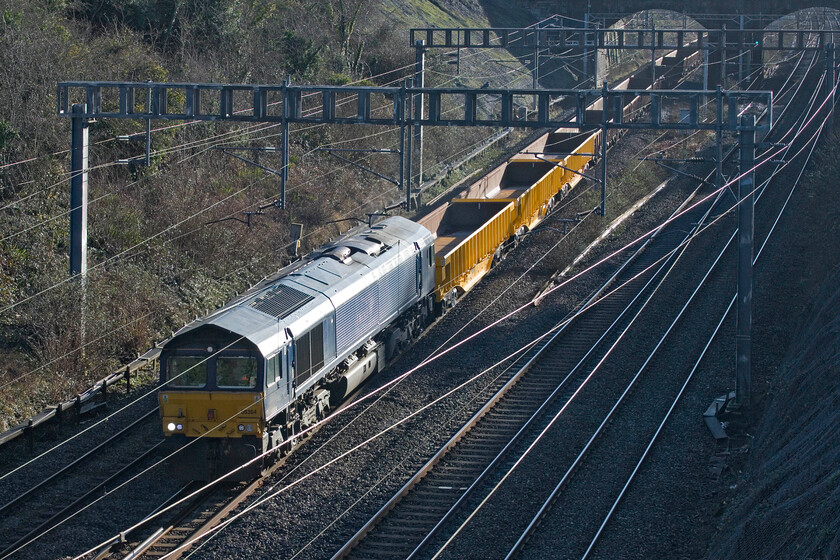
(179, 427)
(241, 427)
(171, 426)
(249, 428)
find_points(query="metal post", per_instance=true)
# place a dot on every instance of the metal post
(706, 70)
(595, 60)
(585, 49)
(78, 191)
(745, 257)
(830, 82)
(741, 53)
(604, 150)
(723, 56)
(409, 148)
(536, 71)
(757, 59)
(79, 210)
(149, 109)
(402, 138)
(719, 141)
(148, 142)
(458, 68)
(420, 51)
(652, 58)
(284, 133)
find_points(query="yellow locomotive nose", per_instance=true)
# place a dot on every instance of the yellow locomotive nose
(212, 414)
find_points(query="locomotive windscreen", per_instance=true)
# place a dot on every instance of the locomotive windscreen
(187, 371)
(236, 371)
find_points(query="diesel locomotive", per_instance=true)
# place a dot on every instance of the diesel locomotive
(274, 361)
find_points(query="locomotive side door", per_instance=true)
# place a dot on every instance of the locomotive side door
(289, 368)
(276, 383)
(419, 259)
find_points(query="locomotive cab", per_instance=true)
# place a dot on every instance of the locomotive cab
(211, 401)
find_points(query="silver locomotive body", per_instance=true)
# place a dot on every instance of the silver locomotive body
(276, 359)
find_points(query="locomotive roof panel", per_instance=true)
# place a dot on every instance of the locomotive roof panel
(260, 329)
(302, 294)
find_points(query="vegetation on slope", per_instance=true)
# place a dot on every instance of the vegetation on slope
(158, 254)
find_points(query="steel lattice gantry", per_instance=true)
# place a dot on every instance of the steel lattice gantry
(394, 106)
(717, 45)
(553, 38)
(387, 105)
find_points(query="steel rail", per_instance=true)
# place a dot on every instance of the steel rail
(79, 460)
(71, 508)
(526, 534)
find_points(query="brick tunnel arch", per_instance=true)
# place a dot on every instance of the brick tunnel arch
(577, 9)
(715, 21)
(756, 61)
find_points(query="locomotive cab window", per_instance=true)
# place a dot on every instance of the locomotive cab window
(187, 371)
(272, 373)
(236, 371)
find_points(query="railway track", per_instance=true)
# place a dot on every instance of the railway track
(484, 451)
(777, 205)
(496, 438)
(201, 509)
(188, 515)
(53, 499)
(665, 392)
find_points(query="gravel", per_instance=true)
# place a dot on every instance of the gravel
(671, 507)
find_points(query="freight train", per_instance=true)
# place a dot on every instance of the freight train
(248, 377)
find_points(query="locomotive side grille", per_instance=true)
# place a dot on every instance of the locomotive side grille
(356, 317)
(396, 288)
(281, 301)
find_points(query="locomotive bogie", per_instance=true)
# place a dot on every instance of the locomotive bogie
(210, 458)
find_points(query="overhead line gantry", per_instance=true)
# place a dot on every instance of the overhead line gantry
(284, 104)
